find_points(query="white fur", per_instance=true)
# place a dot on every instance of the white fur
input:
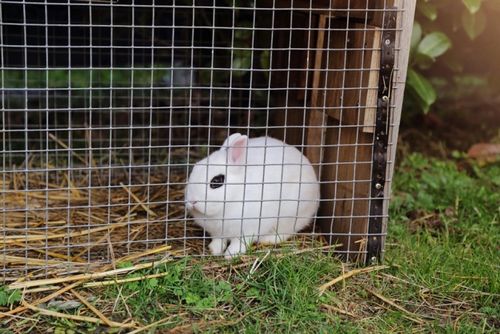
(259, 201)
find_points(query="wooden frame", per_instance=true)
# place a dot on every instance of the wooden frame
(341, 119)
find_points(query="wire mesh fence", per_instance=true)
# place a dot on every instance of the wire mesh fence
(106, 106)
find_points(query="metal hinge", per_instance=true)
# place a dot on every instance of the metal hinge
(387, 57)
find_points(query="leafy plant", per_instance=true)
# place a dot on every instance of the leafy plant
(430, 42)
(9, 297)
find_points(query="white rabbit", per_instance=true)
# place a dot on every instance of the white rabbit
(258, 189)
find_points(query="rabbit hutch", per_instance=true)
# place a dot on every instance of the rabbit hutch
(106, 105)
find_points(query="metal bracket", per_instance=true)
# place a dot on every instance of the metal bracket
(387, 57)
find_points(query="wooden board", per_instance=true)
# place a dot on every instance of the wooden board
(341, 93)
(369, 11)
(405, 23)
(352, 77)
(345, 177)
(289, 80)
(317, 118)
(344, 84)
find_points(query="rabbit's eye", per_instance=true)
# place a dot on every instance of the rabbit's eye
(217, 181)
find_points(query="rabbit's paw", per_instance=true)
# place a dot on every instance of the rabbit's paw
(235, 248)
(217, 246)
(271, 239)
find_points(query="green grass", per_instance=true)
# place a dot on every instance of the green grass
(85, 78)
(442, 250)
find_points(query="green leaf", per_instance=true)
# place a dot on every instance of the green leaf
(428, 10)
(3, 298)
(9, 297)
(265, 59)
(252, 293)
(153, 282)
(422, 88)
(434, 44)
(424, 62)
(192, 298)
(242, 61)
(474, 24)
(473, 6)
(416, 35)
(14, 297)
(58, 78)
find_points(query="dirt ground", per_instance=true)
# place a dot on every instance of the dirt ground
(451, 126)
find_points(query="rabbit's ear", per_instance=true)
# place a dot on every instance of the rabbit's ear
(237, 149)
(229, 140)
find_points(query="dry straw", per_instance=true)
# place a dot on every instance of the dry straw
(55, 221)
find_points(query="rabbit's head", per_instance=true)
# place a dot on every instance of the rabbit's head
(218, 178)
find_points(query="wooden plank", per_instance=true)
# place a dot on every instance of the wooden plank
(366, 11)
(346, 157)
(316, 129)
(372, 82)
(290, 57)
(346, 185)
(379, 7)
(405, 23)
(353, 91)
(336, 8)
(352, 63)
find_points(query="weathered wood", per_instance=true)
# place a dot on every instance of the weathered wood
(316, 128)
(346, 184)
(290, 59)
(403, 39)
(379, 8)
(367, 11)
(349, 77)
(405, 23)
(345, 58)
(373, 76)
(353, 77)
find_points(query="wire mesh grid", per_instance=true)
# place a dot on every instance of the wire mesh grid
(106, 106)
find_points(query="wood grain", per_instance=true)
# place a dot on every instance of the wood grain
(317, 118)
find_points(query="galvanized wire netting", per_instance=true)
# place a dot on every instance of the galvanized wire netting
(106, 105)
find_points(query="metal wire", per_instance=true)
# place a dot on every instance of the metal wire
(106, 106)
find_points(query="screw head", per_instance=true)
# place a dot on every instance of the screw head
(378, 186)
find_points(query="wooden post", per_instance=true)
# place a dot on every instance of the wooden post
(342, 104)
(405, 23)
